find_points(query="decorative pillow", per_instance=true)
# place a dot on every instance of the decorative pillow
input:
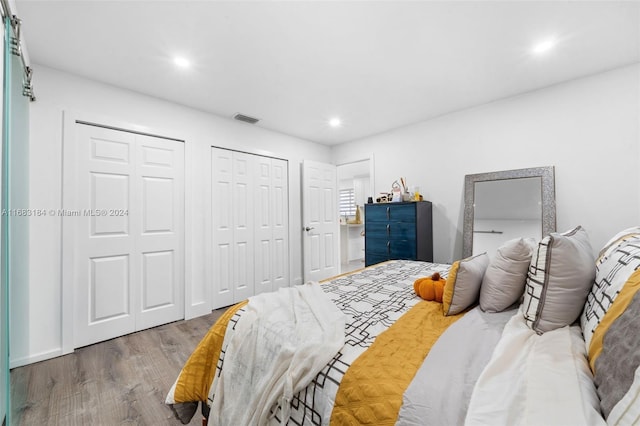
(616, 262)
(614, 355)
(504, 279)
(559, 278)
(611, 328)
(463, 283)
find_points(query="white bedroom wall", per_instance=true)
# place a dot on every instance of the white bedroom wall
(58, 91)
(587, 128)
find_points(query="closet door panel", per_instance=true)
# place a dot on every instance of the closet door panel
(280, 223)
(222, 225)
(264, 219)
(160, 186)
(243, 227)
(104, 246)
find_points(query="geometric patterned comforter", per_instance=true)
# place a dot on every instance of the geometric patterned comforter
(373, 299)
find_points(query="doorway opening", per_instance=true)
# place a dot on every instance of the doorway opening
(355, 186)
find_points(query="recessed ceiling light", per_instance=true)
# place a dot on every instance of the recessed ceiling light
(544, 46)
(335, 122)
(181, 62)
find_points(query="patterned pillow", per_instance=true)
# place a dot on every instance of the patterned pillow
(559, 278)
(503, 282)
(619, 258)
(463, 283)
(611, 328)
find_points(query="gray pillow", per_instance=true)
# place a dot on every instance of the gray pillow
(504, 279)
(560, 276)
(463, 284)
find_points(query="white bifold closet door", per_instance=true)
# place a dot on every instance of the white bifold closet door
(129, 233)
(250, 222)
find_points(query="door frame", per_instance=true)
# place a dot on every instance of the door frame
(371, 181)
(372, 186)
(67, 235)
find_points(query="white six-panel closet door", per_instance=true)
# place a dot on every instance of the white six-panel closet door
(222, 226)
(232, 222)
(250, 218)
(242, 214)
(280, 223)
(128, 227)
(272, 224)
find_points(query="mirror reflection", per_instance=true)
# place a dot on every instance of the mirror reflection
(503, 205)
(504, 210)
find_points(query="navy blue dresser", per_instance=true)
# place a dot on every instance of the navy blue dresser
(398, 231)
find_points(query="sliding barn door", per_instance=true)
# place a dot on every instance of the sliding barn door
(127, 223)
(250, 223)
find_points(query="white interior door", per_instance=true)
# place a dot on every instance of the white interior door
(280, 223)
(127, 223)
(222, 225)
(320, 221)
(264, 218)
(105, 271)
(243, 227)
(232, 207)
(160, 242)
(250, 225)
(271, 224)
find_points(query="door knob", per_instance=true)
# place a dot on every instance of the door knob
(308, 229)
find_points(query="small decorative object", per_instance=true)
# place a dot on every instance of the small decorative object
(430, 288)
(370, 200)
(416, 194)
(396, 191)
(358, 218)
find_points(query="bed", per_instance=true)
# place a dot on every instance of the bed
(543, 333)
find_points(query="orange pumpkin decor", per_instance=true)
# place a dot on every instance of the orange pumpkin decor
(430, 288)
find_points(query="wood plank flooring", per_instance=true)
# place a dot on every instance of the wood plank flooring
(123, 381)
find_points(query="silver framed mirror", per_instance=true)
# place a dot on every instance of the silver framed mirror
(495, 201)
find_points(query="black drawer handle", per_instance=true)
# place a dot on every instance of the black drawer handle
(388, 246)
(388, 229)
(388, 212)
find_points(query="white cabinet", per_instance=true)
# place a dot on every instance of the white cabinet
(250, 225)
(351, 242)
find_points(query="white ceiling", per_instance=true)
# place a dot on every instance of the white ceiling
(377, 65)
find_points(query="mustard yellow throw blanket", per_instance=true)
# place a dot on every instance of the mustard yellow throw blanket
(371, 391)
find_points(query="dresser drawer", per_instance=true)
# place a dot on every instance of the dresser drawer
(391, 230)
(373, 258)
(390, 212)
(394, 249)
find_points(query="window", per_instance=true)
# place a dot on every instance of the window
(347, 202)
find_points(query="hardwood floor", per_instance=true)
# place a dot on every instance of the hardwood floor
(118, 382)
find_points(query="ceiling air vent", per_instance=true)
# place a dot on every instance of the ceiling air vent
(245, 118)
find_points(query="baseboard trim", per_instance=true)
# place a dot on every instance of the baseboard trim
(43, 356)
